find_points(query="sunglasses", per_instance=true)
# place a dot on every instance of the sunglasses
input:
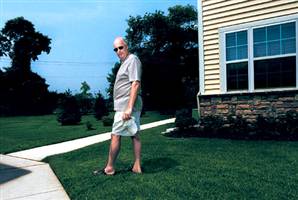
(119, 48)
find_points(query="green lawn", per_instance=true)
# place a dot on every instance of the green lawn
(19, 133)
(177, 168)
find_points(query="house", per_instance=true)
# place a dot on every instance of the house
(248, 60)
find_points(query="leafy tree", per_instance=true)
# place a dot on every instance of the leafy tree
(111, 79)
(22, 43)
(100, 107)
(168, 48)
(24, 92)
(85, 98)
(85, 88)
(69, 111)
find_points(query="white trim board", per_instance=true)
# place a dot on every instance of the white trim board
(201, 48)
(256, 24)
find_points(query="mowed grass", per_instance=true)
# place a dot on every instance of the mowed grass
(177, 168)
(25, 132)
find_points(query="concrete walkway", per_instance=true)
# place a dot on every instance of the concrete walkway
(23, 177)
(40, 153)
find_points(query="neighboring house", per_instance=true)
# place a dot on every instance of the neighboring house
(248, 57)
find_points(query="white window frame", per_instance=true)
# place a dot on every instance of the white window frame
(223, 60)
(250, 27)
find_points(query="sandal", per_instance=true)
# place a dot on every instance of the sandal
(103, 172)
(131, 169)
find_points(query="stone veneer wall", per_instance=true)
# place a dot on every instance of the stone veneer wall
(249, 105)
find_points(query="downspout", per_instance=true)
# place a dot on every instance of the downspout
(201, 54)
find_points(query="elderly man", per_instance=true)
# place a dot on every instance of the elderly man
(127, 104)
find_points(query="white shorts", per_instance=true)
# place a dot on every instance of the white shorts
(126, 128)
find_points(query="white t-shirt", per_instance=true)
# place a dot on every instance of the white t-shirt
(129, 71)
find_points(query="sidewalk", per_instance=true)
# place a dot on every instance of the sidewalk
(40, 153)
(24, 177)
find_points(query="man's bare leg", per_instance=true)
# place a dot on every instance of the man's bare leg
(137, 153)
(113, 153)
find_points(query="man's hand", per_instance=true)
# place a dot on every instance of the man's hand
(127, 114)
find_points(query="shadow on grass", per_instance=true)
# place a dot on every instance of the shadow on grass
(156, 165)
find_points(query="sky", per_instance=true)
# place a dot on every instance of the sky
(82, 33)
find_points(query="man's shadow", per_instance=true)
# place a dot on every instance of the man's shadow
(9, 173)
(155, 165)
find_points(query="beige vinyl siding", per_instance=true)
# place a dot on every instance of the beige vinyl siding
(212, 82)
(211, 46)
(212, 67)
(211, 42)
(212, 72)
(224, 13)
(211, 62)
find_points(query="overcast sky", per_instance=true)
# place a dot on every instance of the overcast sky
(82, 33)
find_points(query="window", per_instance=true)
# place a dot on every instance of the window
(237, 61)
(274, 40)
(275, 73)
(274, 50)
(263, 56)
(237, 76)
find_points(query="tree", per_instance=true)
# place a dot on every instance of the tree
(85, 98)
(111, 79)
(100, 107)
(168, 48)
(24, 92)
(69, 111)
(22, 43)
(85, 88)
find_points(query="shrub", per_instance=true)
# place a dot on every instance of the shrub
(100, 107)
(238, 126)
(69, 112)
(184, 119)
(282, 127)
(85, 103)
(89, 126)
(211, 125)
(291, 122)
(107, 121)
(265, 127)
(184, 124)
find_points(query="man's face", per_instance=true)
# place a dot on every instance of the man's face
(121, 49)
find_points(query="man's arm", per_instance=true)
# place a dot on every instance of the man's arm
(135, 86)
